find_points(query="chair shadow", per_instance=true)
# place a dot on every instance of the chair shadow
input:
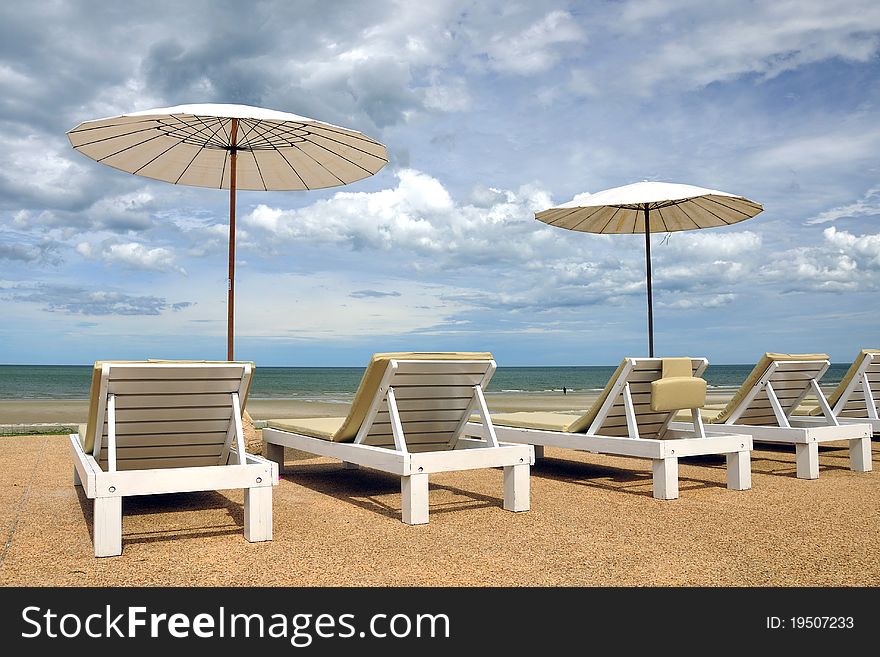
(627, 481)
(787, 467)
(144, 505)
(362, 488)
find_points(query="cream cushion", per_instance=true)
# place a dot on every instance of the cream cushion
(366, 394)
(677, 392)
(834, 397)
(677, 388)
(755, 375)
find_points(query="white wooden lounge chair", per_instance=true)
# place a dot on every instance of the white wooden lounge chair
(168, 427)
(631, 418)
(856, 399)
(764, 408)
(407, 419)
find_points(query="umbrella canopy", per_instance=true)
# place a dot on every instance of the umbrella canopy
(230, 147)
(648, 207)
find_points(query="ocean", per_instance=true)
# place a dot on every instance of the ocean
(340, 383)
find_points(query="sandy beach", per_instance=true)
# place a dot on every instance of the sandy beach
(592, 522)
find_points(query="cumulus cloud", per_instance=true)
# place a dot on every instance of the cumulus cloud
(842, 263)
(133, 255)
(418, 215)
(76, 300)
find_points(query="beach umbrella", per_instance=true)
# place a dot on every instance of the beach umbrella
(647, 207)
(230, 147)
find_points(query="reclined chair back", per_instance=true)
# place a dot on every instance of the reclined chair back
(419, 401)
(166, 414)
(775, 388)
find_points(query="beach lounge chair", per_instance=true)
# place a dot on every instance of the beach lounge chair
(764, 406)
(856, 399)
(407, 419)
(631, 418)
(168, 427)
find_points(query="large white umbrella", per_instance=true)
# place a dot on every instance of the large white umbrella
(230, 147)
(648, 207)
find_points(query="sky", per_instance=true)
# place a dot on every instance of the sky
(491, 111)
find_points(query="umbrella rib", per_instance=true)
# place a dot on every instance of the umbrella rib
(567, 214)
(610, 219)
(247, 131)
(145, 164)
(125, 134)
(313, 125)
(174, 145)
(316, 161)
(710, 211)
(198, 152)
(293, 168)
(146, 120)
(339, 155)
(662, 219)
(684, 211)
(122, 150)
(313, 130)
(731, 207)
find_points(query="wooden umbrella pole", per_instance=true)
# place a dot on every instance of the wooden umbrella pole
(230, 299)
(650, 297)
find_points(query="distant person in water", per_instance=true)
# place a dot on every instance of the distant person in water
(564, 390)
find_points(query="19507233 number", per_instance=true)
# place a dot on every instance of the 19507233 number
(821, 622)
(810, 623)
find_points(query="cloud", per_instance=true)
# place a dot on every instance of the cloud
(867, 206)
(132, 255)
(700, 301)
(76, 300)
(725, 42)
(121, 213)
(417, 216)
(372, 294)
(842, 263)
(536, 47)
(41, 253)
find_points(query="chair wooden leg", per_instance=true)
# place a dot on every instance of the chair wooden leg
(516, 487)
(107, 519)
(76, 480)
(414, 490)
(258, 514)
(807, 458)
(739, 471)
(274, 452)
(860, 454)
(539, 452)
(666, 478)
(349, 466)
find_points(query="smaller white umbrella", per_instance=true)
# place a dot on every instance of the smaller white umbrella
(648, 207)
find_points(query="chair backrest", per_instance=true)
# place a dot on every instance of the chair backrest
(789, 375)
(434, 395)
(608, 415)
(848, 398)
(168, 414)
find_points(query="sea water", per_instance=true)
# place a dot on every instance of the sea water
(340, 383)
